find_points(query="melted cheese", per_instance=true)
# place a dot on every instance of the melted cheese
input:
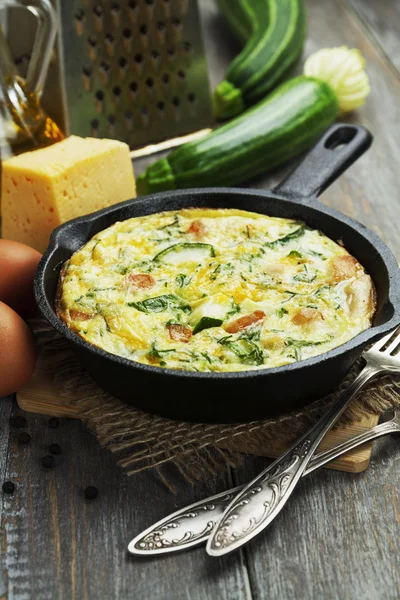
(47, 187)
(214, 290)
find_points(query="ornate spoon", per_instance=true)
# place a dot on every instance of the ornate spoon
(192, 525)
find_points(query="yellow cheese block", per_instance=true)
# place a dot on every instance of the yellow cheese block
(44, 188)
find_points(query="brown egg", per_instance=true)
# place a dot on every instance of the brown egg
(17, 351)
(18, 264)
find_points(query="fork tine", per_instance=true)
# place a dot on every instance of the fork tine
(380, 343)
(393, 345)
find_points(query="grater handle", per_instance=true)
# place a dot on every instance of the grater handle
(44, 40)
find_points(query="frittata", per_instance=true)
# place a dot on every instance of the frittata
(214, 290)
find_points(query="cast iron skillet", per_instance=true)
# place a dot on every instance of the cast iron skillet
(242, 396)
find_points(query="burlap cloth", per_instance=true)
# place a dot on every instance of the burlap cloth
(146, 441)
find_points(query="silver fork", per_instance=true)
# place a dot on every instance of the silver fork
(254, 507)
(192, 525)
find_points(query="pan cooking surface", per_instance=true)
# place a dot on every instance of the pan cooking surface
(214, 290)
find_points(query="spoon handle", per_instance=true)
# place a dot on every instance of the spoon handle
(253, 509)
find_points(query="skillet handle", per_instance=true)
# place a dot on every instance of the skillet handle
(338, 148)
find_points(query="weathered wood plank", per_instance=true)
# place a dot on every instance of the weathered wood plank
(383, 19)
(5, 411)
(57, 545)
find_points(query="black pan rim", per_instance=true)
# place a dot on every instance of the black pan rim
(360, 340)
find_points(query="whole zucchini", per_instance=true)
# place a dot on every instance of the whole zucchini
(290, 120)
(280, 127)
(275, 31)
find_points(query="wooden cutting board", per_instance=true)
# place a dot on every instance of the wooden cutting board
(41, 396)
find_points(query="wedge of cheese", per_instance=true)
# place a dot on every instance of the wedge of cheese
(44, 188)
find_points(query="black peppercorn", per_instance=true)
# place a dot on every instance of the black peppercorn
(24, 437)
(54, 449)
(53, 422)
(91, 492)
(8, 487)
(48, 461)
(18, 422)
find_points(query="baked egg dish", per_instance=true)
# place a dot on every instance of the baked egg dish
(214, 290)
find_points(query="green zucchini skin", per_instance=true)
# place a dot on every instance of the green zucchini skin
(276, 41)
(241, 20)
(277, 129)
(247, 24)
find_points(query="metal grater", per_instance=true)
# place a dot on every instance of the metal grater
(133, 70)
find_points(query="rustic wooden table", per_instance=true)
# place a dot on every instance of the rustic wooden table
(338, 538)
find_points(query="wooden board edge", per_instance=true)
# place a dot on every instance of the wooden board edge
(40, 397)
